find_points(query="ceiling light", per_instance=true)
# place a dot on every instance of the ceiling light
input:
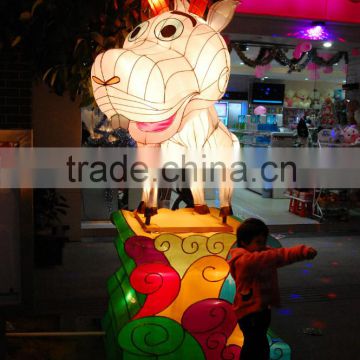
(241, 63)
(316, 31)
(266, 77)
(327, 44)
(306, 79)
(344, 81)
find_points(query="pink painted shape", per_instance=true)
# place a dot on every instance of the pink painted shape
(211, 322)
(155, 126)
(142, 250)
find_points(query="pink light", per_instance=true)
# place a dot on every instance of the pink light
(326, 10)
(317, 32)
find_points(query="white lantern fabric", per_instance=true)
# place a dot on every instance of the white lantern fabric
(161, 86)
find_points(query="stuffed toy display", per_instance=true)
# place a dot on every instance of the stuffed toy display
(327, 94)
(289, 98)
(315, 99)
(351, 134)
(302, 98)
(297, 99)
(327, 112)
(337, 135)
(324, 136)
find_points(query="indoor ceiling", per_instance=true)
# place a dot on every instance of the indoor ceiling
(269, 30)
(281, 72)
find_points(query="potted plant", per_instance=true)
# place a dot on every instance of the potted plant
(50, 233)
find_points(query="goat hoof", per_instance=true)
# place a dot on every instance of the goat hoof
(149, 212)
(201, 209)
(141, 208)
(225, 211)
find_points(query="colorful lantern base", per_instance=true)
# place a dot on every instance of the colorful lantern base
(171, 298)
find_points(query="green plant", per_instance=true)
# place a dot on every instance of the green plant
(63, 37)
(49, 205)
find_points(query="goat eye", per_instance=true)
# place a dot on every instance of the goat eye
(169, 29)
(138, 31)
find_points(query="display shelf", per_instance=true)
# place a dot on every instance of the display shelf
(297, 198)
(254, 144)
(323, 210)
(337, 145)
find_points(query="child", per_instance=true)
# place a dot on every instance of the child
(253, 266)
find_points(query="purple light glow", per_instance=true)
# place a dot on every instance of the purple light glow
(316, 32)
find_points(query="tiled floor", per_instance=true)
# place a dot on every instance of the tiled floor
(246, 204)
(324, 293)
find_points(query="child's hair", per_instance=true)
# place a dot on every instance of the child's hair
(249, 229)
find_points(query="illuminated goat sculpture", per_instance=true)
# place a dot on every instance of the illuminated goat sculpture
(162, 86)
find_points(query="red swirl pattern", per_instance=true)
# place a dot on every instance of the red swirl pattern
(211, 322)
(160, 282)
(142, 250)
(231, 352)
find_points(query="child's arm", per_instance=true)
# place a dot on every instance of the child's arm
(278, 257)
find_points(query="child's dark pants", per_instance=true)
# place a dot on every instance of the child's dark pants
(254, 327)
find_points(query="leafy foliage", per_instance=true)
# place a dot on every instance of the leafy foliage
(49, 205)
(63, 37)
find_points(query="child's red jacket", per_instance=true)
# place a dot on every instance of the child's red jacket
(255, 275)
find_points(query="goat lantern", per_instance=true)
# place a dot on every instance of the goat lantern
(162, 85)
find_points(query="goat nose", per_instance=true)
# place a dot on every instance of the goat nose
(111, 81)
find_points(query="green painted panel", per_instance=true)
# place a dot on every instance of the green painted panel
(158, 338)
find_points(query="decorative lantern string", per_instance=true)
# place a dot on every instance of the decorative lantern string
(266, 55)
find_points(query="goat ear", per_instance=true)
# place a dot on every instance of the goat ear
(181, 5)
(221, 13)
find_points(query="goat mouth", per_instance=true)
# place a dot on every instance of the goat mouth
(155, 126)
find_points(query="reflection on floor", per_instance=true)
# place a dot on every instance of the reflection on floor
(246, 203)
(272, 211)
